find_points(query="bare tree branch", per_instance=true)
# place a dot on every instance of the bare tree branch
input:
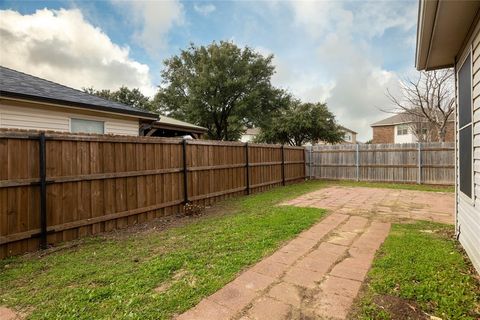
(427, 102)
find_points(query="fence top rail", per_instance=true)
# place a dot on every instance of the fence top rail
(59, 136)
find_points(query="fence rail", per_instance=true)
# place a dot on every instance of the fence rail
(58, 187)
(428, 163)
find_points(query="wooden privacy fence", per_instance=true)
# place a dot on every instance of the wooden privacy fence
(428, 163)
(59, 187)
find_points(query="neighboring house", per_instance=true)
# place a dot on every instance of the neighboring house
(448, 35)
(31, 103)
(250, 134)
(28, 102)
(400, 128)
(169, 127)
(350, 135)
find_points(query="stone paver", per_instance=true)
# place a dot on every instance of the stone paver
(384, 204)
(8, 314)
(318, 274)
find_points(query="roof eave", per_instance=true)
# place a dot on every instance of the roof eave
(139, 114)
(159, 125)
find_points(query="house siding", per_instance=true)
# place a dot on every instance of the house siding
(468, 210)
(17, 115)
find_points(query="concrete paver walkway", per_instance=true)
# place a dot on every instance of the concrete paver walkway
(318, 274)
(382, 204)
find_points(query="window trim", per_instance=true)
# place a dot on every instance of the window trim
(404, 127)
(85, 119)
(469, 199)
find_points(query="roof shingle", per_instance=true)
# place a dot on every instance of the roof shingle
(17, 84)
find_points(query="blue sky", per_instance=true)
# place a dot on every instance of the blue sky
(344, 53)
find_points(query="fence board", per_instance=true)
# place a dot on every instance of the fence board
(101, 183)
(384, 162)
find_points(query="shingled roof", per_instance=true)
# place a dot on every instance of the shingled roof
(15, 84)
(399, 119)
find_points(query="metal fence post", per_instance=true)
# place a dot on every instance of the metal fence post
(247, 168)
(185, 171)
(310, 161)
(419, 174)
(357, 160)
(43, 191)
(283, 165)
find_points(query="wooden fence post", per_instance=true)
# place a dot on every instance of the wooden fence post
(419, 174)
(185, 171)
(43, 191)
(357, 160)
(247, 168)
(283, 165)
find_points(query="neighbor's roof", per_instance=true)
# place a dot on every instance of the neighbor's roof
(442, 28)
(15, 84)
(398, 119)
(170, 123)
(349, 130)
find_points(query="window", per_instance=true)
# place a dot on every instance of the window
(465, 127)
(347, 137)
(87, 126)
(402, 130)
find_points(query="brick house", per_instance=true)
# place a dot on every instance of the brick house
(400, 128)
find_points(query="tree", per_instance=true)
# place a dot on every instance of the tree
(130, 97)
(302, 123)
(221, 87)
(427, 103)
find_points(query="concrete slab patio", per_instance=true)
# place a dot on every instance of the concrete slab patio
(319, 274)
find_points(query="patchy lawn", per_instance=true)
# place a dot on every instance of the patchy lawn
(420, 269)
(154, 275)
(405, 186)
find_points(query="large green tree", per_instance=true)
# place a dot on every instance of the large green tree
(221, 87)
(302, 123)
(132, 97)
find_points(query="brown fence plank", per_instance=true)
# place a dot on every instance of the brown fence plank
(101, 183)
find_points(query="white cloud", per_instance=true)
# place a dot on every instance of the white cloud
(204, 9)
(343, 34)
(60, 45)
(153, 20)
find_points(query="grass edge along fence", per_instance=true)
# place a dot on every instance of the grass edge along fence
(57, 187)
(421, 163)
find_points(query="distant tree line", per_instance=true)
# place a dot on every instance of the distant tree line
(226, 89)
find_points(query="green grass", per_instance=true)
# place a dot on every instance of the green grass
(107, 277)
(115, 277)
(421, 262)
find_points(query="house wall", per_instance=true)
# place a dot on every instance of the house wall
(468, 210)
(404, 138)
(383, 134)
(350, 137)
(33, 116)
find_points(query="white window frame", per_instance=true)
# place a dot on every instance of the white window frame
(85, 119)
(469, 199)
(403, 127)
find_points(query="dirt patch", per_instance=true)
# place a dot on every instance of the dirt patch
(398, 308)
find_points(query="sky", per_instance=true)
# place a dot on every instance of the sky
(344, 53)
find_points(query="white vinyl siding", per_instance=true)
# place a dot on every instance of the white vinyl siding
(33, 118)
(468, 210)
(403, 134)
